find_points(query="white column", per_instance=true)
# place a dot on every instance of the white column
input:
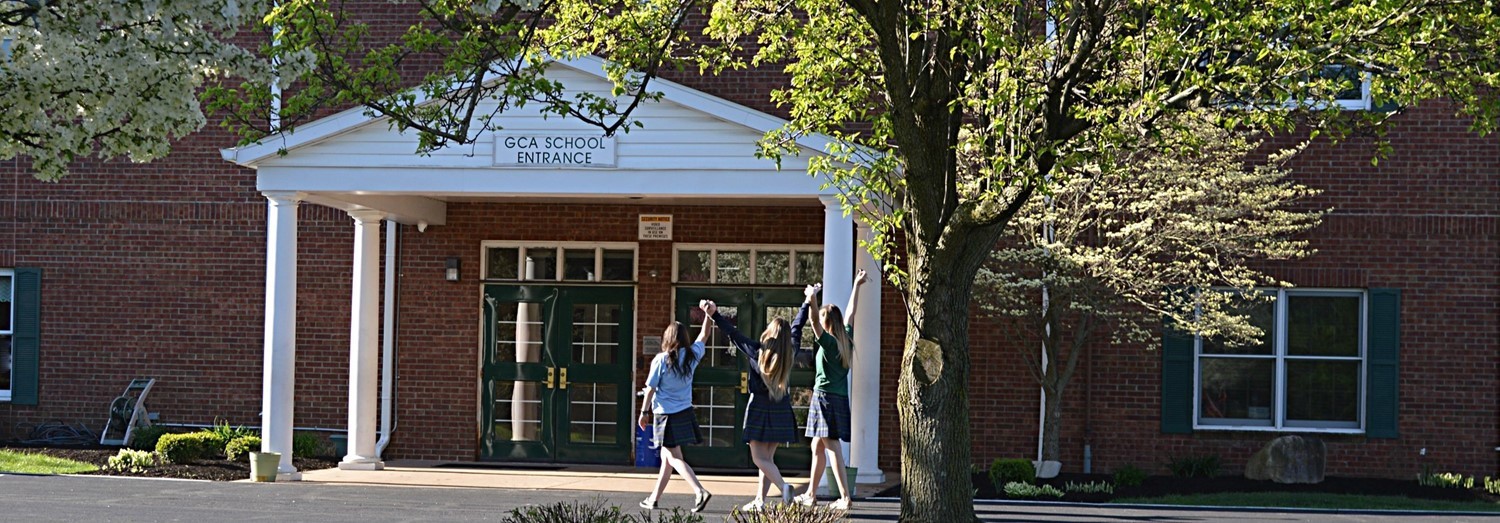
(281, 331)
(364, 320)
(838, 271)
(838, 253)
(864, 382)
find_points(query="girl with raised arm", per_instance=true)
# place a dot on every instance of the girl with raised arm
(668, 406)
(768, 417)
(828, 415)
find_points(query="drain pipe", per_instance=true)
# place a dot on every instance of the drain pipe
(388, 339)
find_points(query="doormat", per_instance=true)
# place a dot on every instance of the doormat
(499, 466)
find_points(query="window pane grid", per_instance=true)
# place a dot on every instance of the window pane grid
(592, 412)
(741, 266)
(595, 333)
(714, 408)
(558, 262)
(1313, 364)
(518, 411)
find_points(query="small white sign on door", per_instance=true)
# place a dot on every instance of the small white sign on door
(656, 227)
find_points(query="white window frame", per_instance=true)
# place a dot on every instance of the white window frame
(559, 250)
(755, 249)
(1279, 422)
(10, 333)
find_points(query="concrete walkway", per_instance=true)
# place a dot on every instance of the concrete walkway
(591, 478)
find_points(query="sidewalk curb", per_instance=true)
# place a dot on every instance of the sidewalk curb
(1221, 508)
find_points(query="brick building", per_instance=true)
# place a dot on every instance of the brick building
(518, 261)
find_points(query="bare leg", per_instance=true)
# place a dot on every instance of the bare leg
(816, 474)
(840, 474)
(762, 453)
(661, 478)
(674, 457)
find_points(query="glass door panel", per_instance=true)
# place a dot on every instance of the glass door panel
(595, 375)
(718, 398)
(556, 370)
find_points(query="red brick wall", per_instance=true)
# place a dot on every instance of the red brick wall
(1423, 220)
(158, 270)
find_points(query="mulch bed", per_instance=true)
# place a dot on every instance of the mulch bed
(1158, 486)
(209, 469)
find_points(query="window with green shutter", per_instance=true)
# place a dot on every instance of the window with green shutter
(23, 338)
(1326, 363)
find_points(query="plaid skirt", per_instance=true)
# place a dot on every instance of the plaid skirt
(769, 422)
(675, 429)
(828, 416)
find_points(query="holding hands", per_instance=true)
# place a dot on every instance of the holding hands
(708, 306)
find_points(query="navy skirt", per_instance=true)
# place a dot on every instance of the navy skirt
(675, 429)
(828, 416)
(769, 422)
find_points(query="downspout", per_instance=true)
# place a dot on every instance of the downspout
(388, 339)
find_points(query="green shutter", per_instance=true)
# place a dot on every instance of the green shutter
(1176, 381)
(25, 341)
(1383, 333)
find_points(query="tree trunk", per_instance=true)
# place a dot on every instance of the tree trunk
(1052, 426)
(932, 397)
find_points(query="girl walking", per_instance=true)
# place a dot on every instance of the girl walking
(668, 406)
(768, 416)
(828, 415)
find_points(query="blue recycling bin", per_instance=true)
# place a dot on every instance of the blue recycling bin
(645, 456)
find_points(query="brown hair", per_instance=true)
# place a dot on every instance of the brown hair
(674, 343)
(834, 324)
(776, 353)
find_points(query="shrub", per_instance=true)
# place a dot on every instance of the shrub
(1447, 480)
(1492, 486)
(1017, 489)
(306, 445)
(1195, 467)
(1099, 487)
(183, 448)
(223, 433)
(1004, 471)
(144, 438)
(1130, 476)
(129, 460)
(594, 512)
(241, 447)
(787, 513)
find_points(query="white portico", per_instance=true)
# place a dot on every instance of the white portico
(694, 149)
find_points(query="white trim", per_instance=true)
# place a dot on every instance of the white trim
(753, 248)
(559, 250)
(352, 119)
(11, 273)
(1279, 357)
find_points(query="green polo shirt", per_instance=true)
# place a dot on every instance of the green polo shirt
(833, 372)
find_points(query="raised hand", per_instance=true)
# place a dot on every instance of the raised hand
(859, 278)
(810, 291)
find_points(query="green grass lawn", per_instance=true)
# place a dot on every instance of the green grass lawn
(28, 463)
(1315, 500)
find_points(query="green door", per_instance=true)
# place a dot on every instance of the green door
(556, 378)
(721, 386)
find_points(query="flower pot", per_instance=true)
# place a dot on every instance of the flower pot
(263, 465)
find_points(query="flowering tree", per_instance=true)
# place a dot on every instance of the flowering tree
(112, 79)
(1108, 253)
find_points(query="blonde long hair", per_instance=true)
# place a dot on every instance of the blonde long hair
(776, 357)
(833, 322)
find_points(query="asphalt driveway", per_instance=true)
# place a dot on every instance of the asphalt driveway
(105, 499)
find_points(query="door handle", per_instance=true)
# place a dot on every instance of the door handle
(564, 383)
(551, 377)
(744, 383)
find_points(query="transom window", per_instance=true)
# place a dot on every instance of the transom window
(7, 322)
(542, 261)
(1306, 372)
(748, 264)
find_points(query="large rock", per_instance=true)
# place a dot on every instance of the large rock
(1289, 459)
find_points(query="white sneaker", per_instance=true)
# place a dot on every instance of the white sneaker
(753, 506)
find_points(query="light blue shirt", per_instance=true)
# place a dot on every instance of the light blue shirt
(674, 392)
